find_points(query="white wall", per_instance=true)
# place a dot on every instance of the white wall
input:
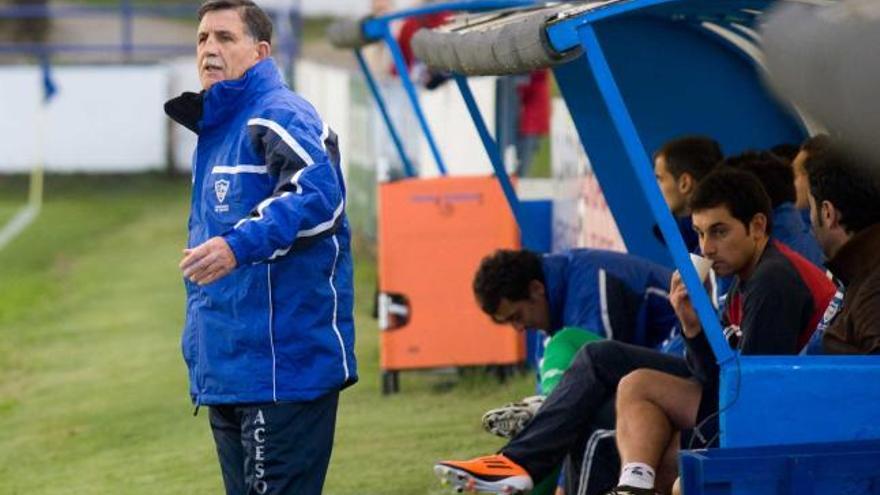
(110, 119)
(460, 146)
(330, 90)
(348, 8)
(182, 76)
(103, 119)
(581, 217)
(327, 89)
(341, 7)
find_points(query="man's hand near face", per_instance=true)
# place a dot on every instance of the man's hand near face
(684, 309)
(208, 262)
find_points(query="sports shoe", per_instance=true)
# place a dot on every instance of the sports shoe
(630, 490)
(487, 474)
(508, 420)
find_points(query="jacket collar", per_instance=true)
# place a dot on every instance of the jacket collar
(196, 111)
(858, 257)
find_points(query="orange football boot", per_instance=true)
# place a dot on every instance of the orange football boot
(487, 474)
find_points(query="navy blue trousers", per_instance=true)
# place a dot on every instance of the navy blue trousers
(277, 448)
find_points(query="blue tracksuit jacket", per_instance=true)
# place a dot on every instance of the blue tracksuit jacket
(616, 295)
(266, 177)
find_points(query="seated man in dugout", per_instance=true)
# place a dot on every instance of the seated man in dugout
(809, 147)
(777, 178)
(789, 228)
(568, 296)
(775, 304)
(614, 295)
(580, 411)
(844, 197)
(679, 165)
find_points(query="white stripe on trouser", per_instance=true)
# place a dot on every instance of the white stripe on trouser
(589, 453)
(272, 332)
(260, 433)
(656, 291)
(603, 305)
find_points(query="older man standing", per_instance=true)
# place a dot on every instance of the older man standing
(269, 334)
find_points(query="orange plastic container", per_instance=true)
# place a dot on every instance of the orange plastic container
(432, 235)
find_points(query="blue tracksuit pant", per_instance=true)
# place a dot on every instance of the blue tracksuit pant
(276, 448)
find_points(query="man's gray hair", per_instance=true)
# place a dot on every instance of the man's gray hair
(259, 25)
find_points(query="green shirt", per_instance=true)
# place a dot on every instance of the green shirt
(559, 352)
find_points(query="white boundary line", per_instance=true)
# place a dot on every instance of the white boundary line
(19, 222)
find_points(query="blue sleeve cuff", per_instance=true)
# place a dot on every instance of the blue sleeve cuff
(240, 247)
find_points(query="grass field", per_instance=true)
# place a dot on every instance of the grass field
(93, 398)
(13, 196)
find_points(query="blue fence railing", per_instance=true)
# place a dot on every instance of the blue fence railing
(288, 23)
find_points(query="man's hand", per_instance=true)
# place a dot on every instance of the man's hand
(681, 304)
(208, 262)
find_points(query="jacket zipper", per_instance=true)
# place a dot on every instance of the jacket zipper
(196, 201)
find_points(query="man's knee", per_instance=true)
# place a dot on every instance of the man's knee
(637, 385)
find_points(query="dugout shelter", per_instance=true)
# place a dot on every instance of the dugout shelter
(635, 73)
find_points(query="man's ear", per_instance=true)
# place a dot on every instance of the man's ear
(536, 289)
(830, 215)
(759, 224)
(686, 184)
(264, 50)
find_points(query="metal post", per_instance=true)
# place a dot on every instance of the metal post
(127, 20)
(296, 25)
(380, 101)
(641, 164)
(403, 72)
(495, 157)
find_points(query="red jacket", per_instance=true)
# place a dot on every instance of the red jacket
(410, 27)
(534, 108)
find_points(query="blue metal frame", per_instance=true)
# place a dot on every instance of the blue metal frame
(772, 400)
(378, 28)
(383, 109)
(642, 168)
(763, 400)
(491, 147)
(564, 36)
(412, 95)
(841, 468)
(473, 6)
(126, 10)
(600, 141)
(40, 48)
(624, 143)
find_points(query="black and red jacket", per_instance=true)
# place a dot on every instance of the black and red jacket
(774, 312)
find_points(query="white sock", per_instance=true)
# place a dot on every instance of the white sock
(637, 475)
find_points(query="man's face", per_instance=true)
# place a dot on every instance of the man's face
(670, 187)
(733, 249)
(801, 181)
(225, 49)
(527, 313)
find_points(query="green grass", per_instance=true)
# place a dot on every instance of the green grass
(541, 166)
(14, 196)
(93, 393)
